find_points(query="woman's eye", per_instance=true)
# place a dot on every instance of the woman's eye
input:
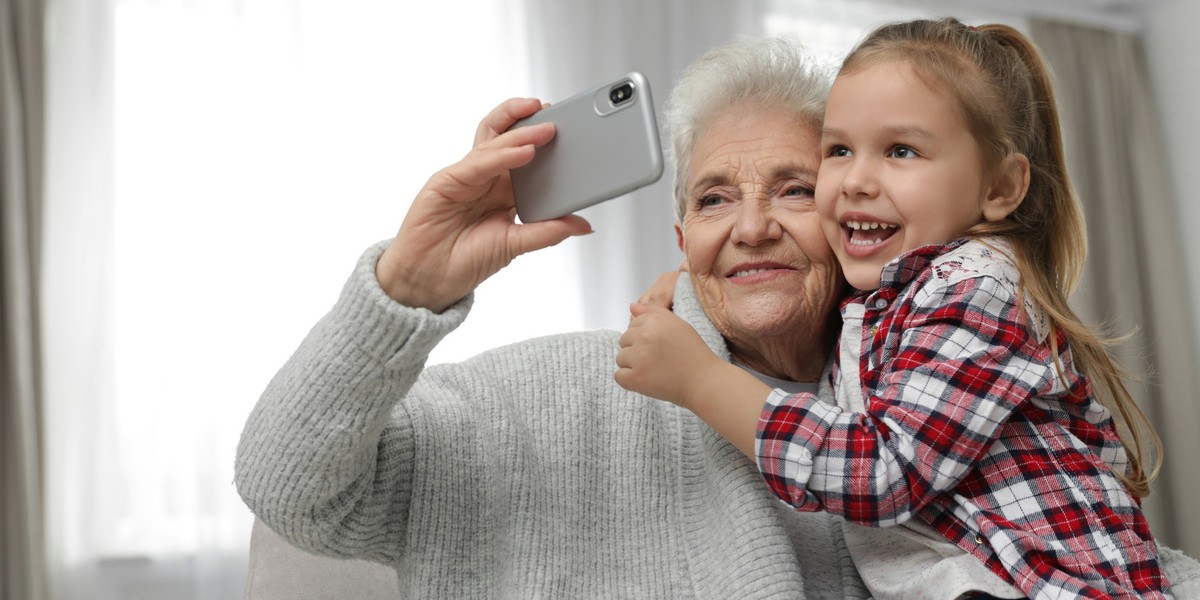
(799, 191)
(902, 152)
(709, 201)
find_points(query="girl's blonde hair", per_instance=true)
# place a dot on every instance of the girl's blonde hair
(1003, 87)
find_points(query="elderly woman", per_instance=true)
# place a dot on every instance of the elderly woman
(526, 471)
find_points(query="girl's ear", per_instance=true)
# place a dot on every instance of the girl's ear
(1008, 189)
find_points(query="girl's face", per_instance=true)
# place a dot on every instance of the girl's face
(900, 169)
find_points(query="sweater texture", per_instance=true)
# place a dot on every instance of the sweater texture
(523, 472)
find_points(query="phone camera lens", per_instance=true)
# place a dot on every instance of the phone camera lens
(621, 93)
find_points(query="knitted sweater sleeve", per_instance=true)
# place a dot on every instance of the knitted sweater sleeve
(327, 455)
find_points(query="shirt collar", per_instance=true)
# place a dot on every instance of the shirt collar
(902, 270)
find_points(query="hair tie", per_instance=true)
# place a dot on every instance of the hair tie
(972, 28)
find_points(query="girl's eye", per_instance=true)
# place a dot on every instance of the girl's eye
(902, 152)
(838, 151)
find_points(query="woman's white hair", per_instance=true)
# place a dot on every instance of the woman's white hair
(764, 72)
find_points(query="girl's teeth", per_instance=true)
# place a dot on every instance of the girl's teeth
(860, 242)
(859, 235)
(867, 225)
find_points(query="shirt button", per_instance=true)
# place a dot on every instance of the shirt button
(978, 539)
(880, 304)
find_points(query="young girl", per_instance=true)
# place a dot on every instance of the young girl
(968, 392)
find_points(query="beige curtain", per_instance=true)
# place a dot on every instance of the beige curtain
(1134, 278)
(22, 563)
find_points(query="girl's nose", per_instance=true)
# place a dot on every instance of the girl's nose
(859, 180)
(755, 223)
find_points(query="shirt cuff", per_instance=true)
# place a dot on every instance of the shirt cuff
(791, 430)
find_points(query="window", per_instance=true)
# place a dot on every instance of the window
(255, 149)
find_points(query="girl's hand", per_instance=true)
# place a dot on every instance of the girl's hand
(662, 291)
(461, 228)
(662, 356)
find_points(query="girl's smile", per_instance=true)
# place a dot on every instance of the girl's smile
(863, 235)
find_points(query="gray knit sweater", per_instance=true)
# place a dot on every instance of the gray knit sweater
(523, 472)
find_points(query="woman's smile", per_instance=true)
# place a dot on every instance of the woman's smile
(753, 273)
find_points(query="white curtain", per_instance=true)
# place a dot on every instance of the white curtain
(214, 170)
(76, 280)
(577, 43)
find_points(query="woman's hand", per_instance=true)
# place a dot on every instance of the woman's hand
(461, 228)
(662, 355)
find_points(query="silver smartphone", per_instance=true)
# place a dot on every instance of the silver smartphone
(606, 144)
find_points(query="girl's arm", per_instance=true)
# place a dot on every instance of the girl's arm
(964, 362)
(663, 357)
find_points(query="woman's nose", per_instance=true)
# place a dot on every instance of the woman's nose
(755, 224)
(858, 179)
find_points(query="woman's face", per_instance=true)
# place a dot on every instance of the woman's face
(755, 252)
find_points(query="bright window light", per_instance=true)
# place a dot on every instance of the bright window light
(260, 147)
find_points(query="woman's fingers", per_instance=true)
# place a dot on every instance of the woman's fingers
(537, 135)
(528, 237)
(493, 158)
(504, 116)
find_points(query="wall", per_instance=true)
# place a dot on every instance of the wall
(1172, 48)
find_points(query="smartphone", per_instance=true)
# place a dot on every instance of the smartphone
(606, 144)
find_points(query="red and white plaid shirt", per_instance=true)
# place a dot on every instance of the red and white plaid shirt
(969, 426)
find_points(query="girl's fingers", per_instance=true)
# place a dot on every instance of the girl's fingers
(622, 360)
(638, 309)
(662, 291)
(626, 340)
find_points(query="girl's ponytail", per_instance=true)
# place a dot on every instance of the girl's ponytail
(1056, 262)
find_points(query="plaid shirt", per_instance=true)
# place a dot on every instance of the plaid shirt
(970, 427)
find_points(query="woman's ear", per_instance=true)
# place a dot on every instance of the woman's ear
(1008, 189)
(679, 238)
